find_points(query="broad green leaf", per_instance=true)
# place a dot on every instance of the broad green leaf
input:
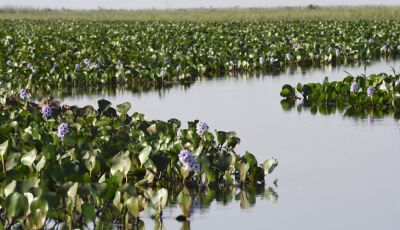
(16, 205)
(124, 107)
(88, 211)
(3, 148)
(132, 204)
(144, 154)
(269, 165)
(73, 190)
(29, 157)
(159, 200)
(10, 188)
(41, 163)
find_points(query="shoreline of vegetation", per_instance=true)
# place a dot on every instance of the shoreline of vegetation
(50, 55)
(311, 12)
(359, 96)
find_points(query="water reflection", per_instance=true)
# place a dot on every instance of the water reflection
(195, 201)
(369, 114)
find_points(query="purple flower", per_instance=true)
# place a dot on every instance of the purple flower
(29, 65)
(262, 60)
(9, 63)
(62, 130)
(354, 87)
(24, 94)
(119, 62)
(397, 82)
(184, 155)
(46, 110)
(201, 127)
(97, 66)
(77, 67)
(86, 61)
(370, 91)
(187, 159)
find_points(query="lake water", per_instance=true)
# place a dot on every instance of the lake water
(334, 172)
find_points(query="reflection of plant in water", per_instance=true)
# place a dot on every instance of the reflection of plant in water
(76, 165)
(365, 97)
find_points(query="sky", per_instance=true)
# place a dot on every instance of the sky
(171, 4)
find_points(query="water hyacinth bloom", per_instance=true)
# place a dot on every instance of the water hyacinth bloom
(262, 60)
(46, 110)
(62, 130)
(119, 62)
(86, 61)
(201, 127)
(96, 66)
(9, 63)
(370, 91)
(187, 159)
(24, 94)
(29, 65)
(397, 82)
(354, 87)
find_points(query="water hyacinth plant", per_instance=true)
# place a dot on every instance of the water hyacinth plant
(109, 164)
(377, 92)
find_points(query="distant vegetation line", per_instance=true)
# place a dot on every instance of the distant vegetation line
(311, 12)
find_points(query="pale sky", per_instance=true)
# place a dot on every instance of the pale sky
(163, 4)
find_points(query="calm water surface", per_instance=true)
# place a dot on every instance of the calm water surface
(335, 172)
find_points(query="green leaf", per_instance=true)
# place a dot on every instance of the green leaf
(103, 105)
(73, 190)
(144, 154)
(244, 168)
(29, 157)
(10, 188)
(40, 164)
(16, 205)
(124, 107)
(269, 165)
(3, 148)
(132, 204)
(88, 211)
(159, 200)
